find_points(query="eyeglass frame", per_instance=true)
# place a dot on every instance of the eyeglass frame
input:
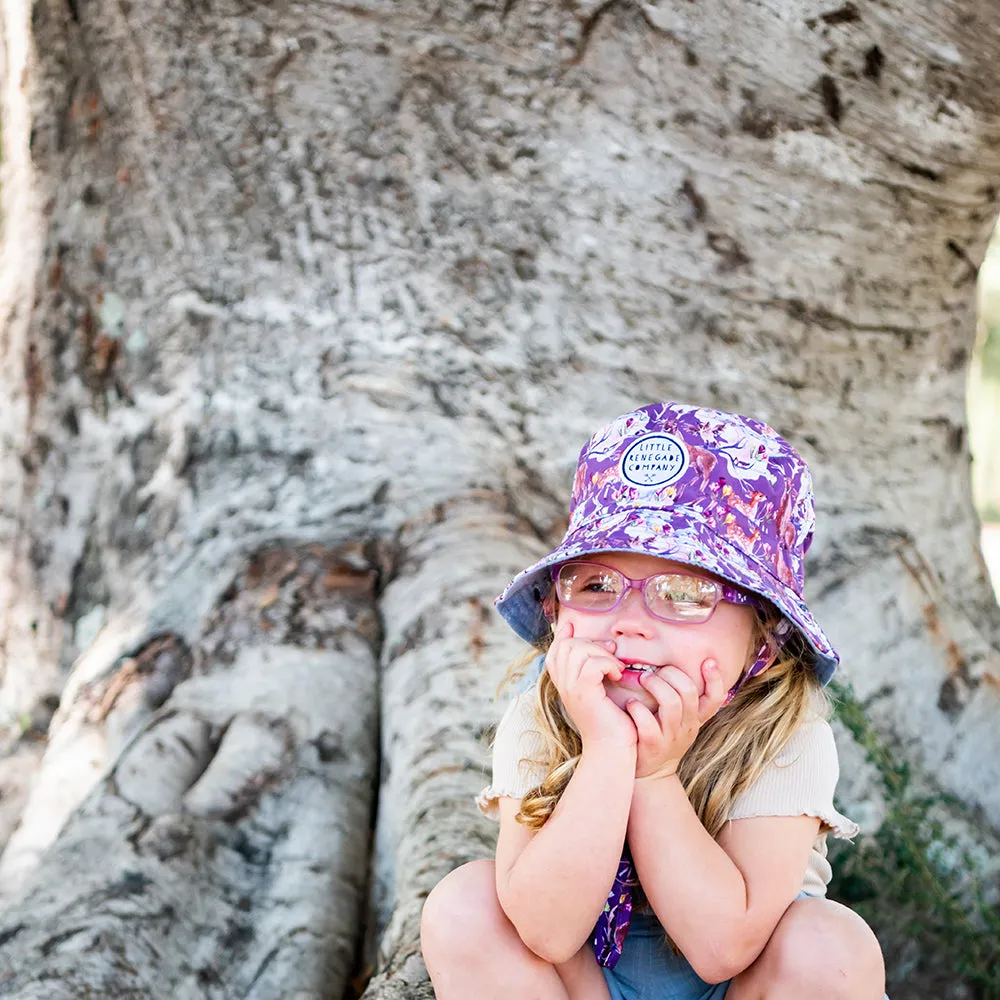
(724, 592)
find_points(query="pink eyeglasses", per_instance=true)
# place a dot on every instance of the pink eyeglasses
(672, 597)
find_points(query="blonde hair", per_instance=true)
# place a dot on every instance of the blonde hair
(731, 750)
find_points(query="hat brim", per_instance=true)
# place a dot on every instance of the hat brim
(656, 534)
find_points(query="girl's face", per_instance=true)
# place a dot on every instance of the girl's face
(640, 639)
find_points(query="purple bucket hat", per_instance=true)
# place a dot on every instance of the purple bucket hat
(715, 490)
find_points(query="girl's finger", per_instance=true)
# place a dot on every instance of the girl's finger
(555, 657)
(646, 724)
(671, 686)
(715, 691)
(554, 661)
(602, 665)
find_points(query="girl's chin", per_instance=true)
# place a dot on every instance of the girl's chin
(620, 695)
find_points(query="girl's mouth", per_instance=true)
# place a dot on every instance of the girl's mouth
(634, 671)
(637, 667)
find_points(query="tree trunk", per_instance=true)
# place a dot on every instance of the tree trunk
(364, 278)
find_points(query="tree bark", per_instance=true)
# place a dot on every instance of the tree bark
(226, 851)
(366, 278)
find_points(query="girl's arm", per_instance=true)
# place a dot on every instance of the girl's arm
(718, 900)
(553, 883)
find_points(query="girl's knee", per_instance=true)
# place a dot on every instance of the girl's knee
(821, 948)
(460, 910)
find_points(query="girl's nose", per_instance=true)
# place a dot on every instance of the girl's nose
(632, 618)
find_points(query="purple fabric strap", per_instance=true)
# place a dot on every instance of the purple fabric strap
(612, 924)
(765, 655)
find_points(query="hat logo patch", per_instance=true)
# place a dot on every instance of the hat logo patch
(654, 460)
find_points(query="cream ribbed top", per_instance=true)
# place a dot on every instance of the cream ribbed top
(799, 782)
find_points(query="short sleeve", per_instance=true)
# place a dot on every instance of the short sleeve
(517, 751)
(800, 782)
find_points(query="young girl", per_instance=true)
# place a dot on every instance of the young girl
(664, 776)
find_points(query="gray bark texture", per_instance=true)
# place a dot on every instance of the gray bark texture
(305, 311)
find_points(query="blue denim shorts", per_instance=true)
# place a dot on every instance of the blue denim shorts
(649, 970)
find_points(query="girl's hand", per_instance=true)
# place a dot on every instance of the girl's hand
(664, 737)
(578, 668)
